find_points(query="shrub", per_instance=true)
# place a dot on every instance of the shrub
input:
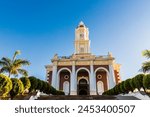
(47, 88)
(117, 88)
(138, 81)
(146, 81)
(53, 91)
(34, 83)
(132, 84)
(26, 82)
(127, 85)
(111, 91)
(43, 86)
(122, 88)
(17, 89)
(5, 85)
(40, 84)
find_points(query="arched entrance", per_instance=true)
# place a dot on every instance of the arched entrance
(83, 81)
(83, 87)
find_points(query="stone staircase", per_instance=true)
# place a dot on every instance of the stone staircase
(73, 97)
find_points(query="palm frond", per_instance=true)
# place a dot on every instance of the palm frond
(146, 53)
(22, 72)
(2, 63)
(13, 67)
(20, 62)
(6, 61)
(146, 67)
(16, 53)
(5, 69)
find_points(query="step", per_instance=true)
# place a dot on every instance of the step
(91, 97)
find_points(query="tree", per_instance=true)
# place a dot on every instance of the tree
(146, 81)
(122, 88)
(127, 85)
(26, 83)
(34, 83)
(132, 84)
(46, 88)
(18, 87)
(138, 81)
(53, 91)
(5, 85)
(13, 66)
(40, 84)
(146, 65)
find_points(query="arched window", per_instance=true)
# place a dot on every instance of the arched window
(66, 87)
(100, 87)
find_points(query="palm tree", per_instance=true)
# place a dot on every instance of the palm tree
(13, 66)
(146, 65)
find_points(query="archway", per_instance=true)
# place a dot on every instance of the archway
(83, 92)
(102, 75)
(83, 87)
(63, 80)
(83, 81)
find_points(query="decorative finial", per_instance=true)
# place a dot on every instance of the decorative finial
(55, 56)
(81, 23)
(110, 54)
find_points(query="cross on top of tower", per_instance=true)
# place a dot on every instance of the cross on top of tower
(81, 24)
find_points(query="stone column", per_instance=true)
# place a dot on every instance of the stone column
(73, 90)
(111, 78)
(54, 76)
(92, 80)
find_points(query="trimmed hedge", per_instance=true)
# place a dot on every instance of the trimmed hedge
(5, 85)
(137, 82)
(26, 82)
(14, 86)
(146, 81)
(34, 83)
(18, 87)
(127, 85)
(40, 84)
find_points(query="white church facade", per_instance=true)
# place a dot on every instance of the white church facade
(83, 73)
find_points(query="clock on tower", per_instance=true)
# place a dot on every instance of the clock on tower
(81, 36)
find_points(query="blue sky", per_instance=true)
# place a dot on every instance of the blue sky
(41, 28)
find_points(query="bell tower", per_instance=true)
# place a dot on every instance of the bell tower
(82, 42)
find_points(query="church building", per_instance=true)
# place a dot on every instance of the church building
(83, 73)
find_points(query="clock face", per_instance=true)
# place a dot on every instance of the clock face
(81, 35)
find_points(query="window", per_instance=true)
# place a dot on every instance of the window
(81, 50)
(66, 87)
(100, 87)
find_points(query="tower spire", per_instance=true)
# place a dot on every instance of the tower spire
(81, 23)
(82, 42)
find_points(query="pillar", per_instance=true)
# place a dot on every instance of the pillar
(73, 90)
(92, 80)
(111, 77)
(54, 76)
